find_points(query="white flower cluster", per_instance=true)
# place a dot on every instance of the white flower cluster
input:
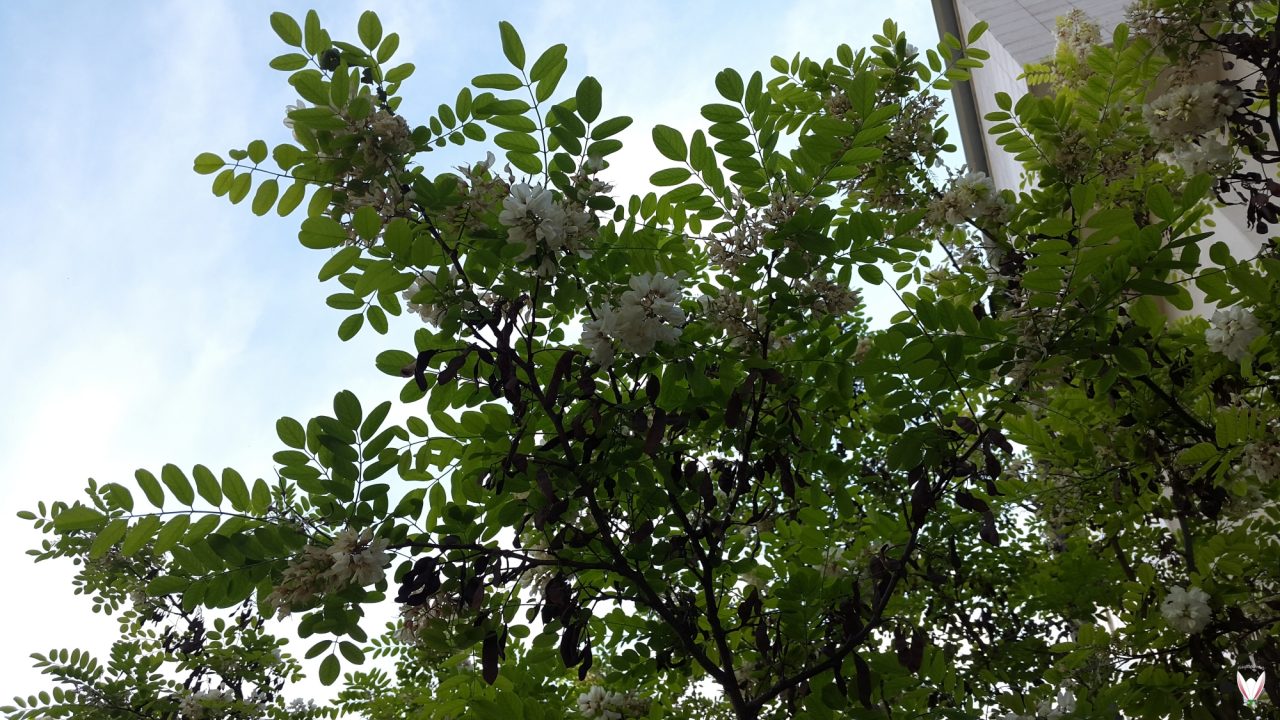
(1050, 709)
(1190, 118)
(536, 577)
(414, 618)
(1076, 33)
(546, 226)
(732, 250)
(1231, 331)
(318, 569)
(831, 298)
(382, 138)
(205, 704)
(485, 191)
(1262, 461)
(971, 198)
(1186, 610)
(648, 313)
(608, 705)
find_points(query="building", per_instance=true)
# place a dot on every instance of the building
(1021, 32)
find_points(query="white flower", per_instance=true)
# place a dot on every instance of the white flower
(288, 121)
(596, 340)
(1262, 460)
(430, 313)
(1231, 332)
(591, 703)
(532, 216)
(1186, 610)
(361, 558)
(648, 313)
(971, 197)
(1188, 111)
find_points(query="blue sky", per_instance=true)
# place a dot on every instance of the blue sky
(146, 321)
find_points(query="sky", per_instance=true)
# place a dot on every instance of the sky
(146, 321)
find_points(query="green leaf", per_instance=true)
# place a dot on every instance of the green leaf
(257, 151)
(588, 97)
(110, 535)
(513, 49)
(399, 73)
(265, 198)
(389, 45)
(140, 534)
(516, 141)
(166, 585)
(547, 61)
(525, 162)
(729, 84)
(171, 533)
(871, 274)
(208, 163)
(346, 406)
(670, 143)
(321, 233)
(366, 222)
(207, 485)
(497, 81)
(377, 319)
(177, 482)
(340, 262)
(351, 652)
(976, 32)
(233, 486)
(329, 668)
(719, 112)
(289, 62)
(291, 198)
(313, 34)
(261, 499)
(150, 487)
(1161, 202)
(287, 28)
(670, 176)
(240, 187)
(350, 326)
(77, 517)
(610, 127)
(369, 28)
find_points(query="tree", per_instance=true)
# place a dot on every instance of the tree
(745, 491)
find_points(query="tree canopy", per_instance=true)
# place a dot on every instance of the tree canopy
(656, 464)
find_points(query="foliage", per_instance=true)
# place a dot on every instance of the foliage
(748, 491)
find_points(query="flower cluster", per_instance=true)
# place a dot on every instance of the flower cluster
(1262, 461)
(1186, 610)
(1077, 33)
(608, 705)
(733, 250)
(366, 174)
(353, 557)
(1190, 117)
(971, 198)
(830, 298)
(1049, 709)
(484, 191)
(646, 314)
(1231, 331)
(415, 618)
(547, 227)
(206, 704)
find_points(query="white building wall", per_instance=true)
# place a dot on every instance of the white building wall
(1022, 32)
